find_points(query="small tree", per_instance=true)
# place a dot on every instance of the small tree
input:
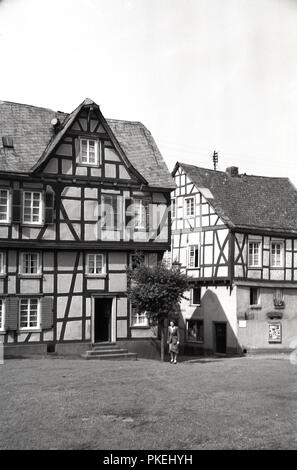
(157, 291)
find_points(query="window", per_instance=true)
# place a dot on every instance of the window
(277, 254)
(193, 259)
(2, 269)
(30, 263)
(195, 331)
(4, 205)
(196, 295)
(95, 264)
(2, 313)
(138, 258)
(29, 313)
(173, 208)
(278, 298)
(254, 296)
(254, 254)
(138, 319)
(112, 210)
(141, 213)
(89, 152)
(189, 207)
(32, 208)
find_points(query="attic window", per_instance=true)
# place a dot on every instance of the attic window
(7, 142)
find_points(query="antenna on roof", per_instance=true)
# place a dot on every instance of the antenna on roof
(215, 158)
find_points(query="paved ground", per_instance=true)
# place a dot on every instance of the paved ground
(239, 403)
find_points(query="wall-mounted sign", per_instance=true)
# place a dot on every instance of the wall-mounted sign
(275, 333)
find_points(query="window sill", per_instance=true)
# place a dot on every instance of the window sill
(29, 330)
(89, 165)
(276, 267)
(31, 224)
(191, 267)
(255, 307)
(254, 267)
(2, 332)
(3, 275)
(30, 276)
(195, 305)
(140, 327)
(2, 222)
(96, 276)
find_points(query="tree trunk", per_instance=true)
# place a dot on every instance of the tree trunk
(162, 341)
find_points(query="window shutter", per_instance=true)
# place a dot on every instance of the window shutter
(16, 215)
(77, 149)
(49, 207)
(128, 212)
(47, 317)
(11, 313)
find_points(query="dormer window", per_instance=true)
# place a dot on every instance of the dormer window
(89, 152)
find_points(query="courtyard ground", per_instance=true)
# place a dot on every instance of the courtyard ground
(230, 403)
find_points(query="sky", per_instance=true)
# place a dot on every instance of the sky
(201, 75)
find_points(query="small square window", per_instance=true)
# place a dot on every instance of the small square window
(30, 263)
(195, 331)
(138, 319)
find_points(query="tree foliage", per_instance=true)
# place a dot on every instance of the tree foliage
(156, 290)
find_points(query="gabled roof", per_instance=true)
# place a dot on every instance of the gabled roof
(247, 201)
(34, 139)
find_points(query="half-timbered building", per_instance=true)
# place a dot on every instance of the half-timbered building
(236, 235)
(79, 194)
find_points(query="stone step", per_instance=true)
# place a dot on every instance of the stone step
(105, 344)
(99, 352)
(112, 357)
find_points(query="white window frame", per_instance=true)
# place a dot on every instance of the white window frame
(22, 263)
(6, 220)
(28, 327)
(2, 263)
(253, 265)
(173, 208)
(2, 314)
(201, 341)
(142, 215)
(119, 211)
(85, 160)
(281, 255)
(138, 320)
(190, 257)
(40, 208)
(186, 214)
(96, 265)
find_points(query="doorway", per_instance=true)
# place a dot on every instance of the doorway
(102, 320)
(220, 333)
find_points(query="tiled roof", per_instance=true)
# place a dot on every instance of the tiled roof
(33, 136)
(248, 201)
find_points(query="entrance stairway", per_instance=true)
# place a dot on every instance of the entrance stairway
(109, 351)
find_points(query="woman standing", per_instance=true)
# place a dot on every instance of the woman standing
(173, 341)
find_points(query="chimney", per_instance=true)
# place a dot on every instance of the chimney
(232, 171)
